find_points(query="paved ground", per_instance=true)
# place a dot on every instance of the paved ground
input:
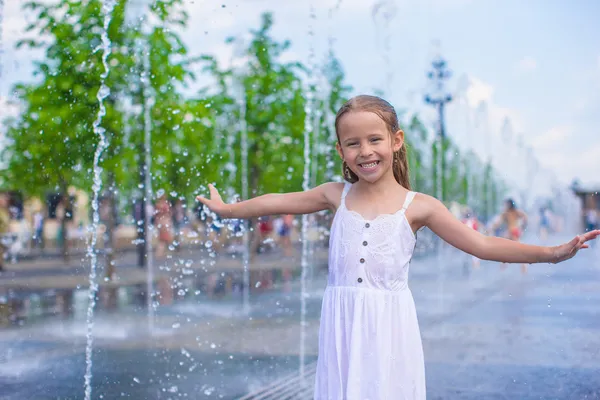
(487, 334)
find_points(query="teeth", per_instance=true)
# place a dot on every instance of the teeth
(370, 165)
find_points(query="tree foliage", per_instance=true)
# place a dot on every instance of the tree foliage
(195, 138)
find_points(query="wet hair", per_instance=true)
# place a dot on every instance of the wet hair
(511, 204)
(387, 113)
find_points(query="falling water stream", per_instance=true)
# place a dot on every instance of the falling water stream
(1, 40)
(383, 13)
(245, 194)
(148, 103)
(103, 92)
(308, 130)
(484, 131)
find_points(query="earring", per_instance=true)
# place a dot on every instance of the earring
(347, 171)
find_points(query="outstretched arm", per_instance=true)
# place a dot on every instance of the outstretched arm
(437, 217)
(317, 199)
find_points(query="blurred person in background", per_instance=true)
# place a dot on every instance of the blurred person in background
(164, 224)
(591, 220)
(263, 230)
(544, 222)
(4, 227)
(285, 234)
(516, 222)
(179, 221)
(470, 220)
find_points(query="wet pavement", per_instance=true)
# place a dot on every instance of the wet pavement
(488, 333)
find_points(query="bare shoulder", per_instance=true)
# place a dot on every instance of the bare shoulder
(421, 208)
(522, 214)
(332, 191)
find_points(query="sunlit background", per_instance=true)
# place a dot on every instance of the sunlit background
(115, 115)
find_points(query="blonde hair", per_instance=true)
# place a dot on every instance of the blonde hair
(387, 113)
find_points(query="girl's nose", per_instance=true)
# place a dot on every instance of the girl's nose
(366, 150)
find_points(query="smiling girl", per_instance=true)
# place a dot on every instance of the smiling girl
(369, 342)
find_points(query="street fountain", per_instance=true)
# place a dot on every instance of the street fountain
(1, 43)
(482, 126)
(103, 93)
(383, 13)
(148, 103)
(241, 102)
(509, 166)
(308, 132)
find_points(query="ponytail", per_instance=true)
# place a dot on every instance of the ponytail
(400, 167)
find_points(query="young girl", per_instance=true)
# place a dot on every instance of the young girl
(369, 343)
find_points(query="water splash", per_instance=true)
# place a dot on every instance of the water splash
(383, 13)
(1, 41)
(329, 115)
(245, 194)
(148, 103)
(103, 92)
(308, 130)
(483, 130)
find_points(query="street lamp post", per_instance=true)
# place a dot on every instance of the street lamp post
(438, 98)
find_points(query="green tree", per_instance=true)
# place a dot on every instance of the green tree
(327, 165)
(272, 93)
(52, 143)
(416, 140)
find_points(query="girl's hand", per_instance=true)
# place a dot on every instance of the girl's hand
(568, 250)
(215, 203)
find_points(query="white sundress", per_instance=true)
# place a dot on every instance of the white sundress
(369, 341)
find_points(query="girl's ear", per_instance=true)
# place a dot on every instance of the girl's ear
(397, 140)
(339, 150)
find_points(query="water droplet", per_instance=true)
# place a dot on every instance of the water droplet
(173, 389)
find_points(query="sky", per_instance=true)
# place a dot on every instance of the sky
(534, 64)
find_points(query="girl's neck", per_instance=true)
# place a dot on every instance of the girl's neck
(383, 186)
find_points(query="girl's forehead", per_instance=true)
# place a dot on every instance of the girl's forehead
(357, 122)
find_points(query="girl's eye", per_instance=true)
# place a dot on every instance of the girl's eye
(352, 144)
(376, 140)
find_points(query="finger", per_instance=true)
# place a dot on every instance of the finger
(574, 242)
(585, 246)
(591, 235)
(595, 232)
(201, 199)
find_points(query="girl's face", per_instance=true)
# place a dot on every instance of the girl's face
(365, 144)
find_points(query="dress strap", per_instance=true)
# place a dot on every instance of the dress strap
(409, 198)
(347, 187)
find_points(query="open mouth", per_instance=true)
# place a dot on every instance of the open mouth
(369, 165)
